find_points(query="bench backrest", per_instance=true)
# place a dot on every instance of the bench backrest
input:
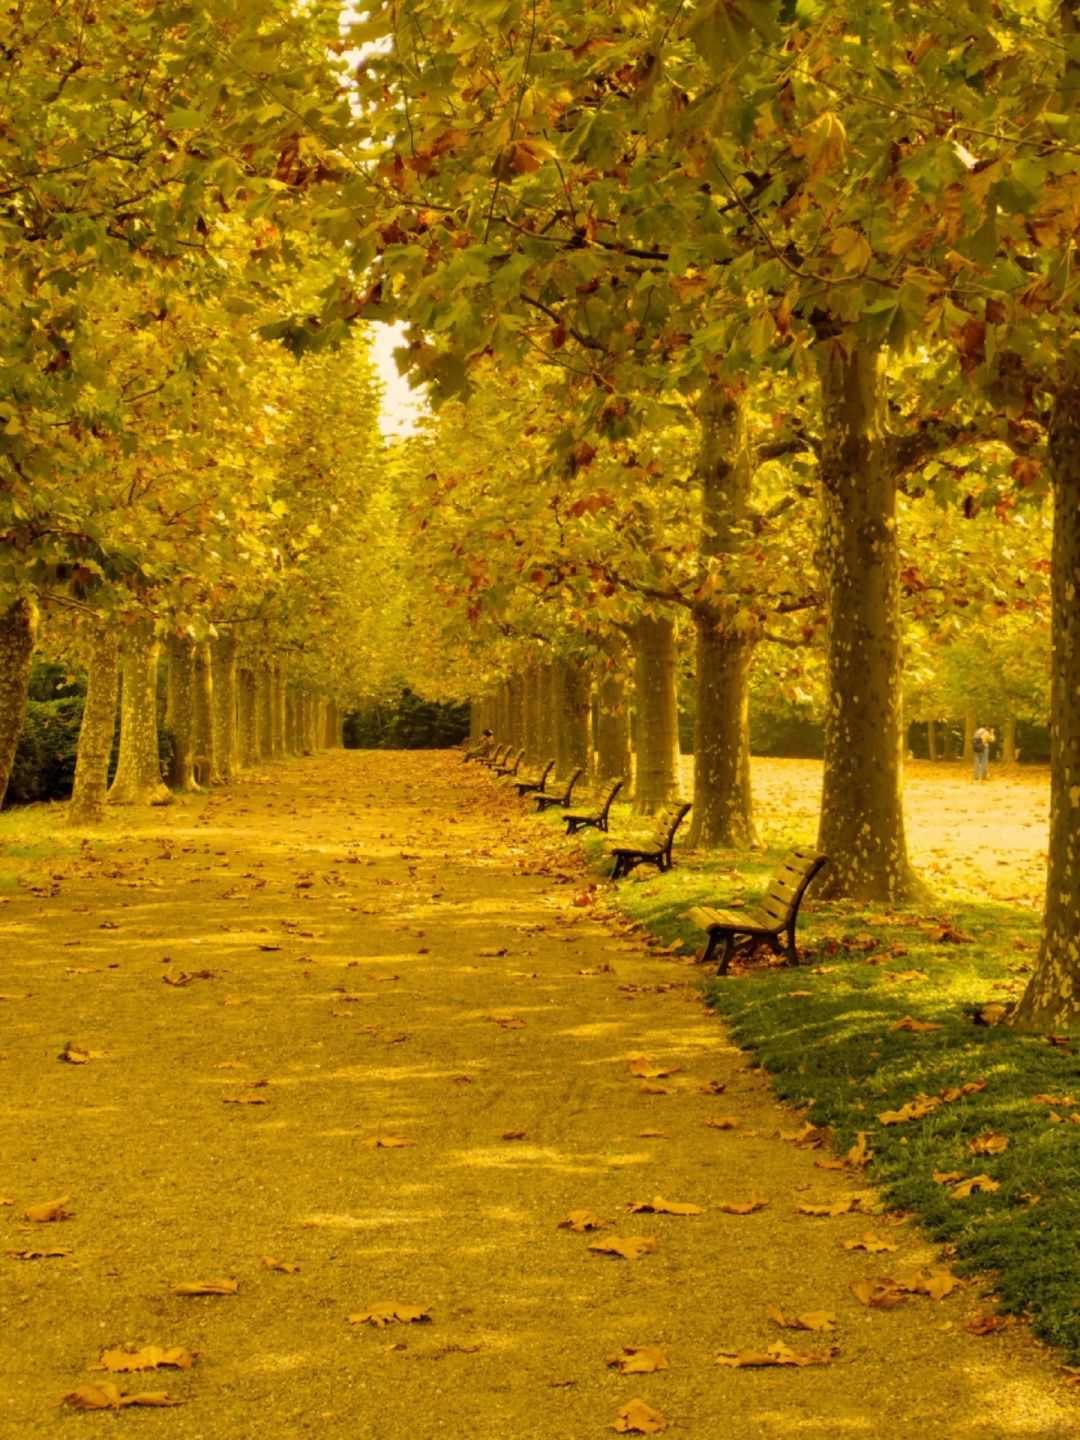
(574, 778)
(498, 755)
(616, 786)
(545, 773)
(788, 885)
(668, 821)
(514, 761)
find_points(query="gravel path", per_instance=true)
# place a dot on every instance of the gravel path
(379, 948)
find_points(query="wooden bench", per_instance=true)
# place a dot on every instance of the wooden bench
(656, 850)
(774, 915)
(495, 757)
(574, 823)
(544, 800)
(510, 765)
(535, 787)
(480, 751)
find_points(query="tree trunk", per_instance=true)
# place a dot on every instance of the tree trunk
(862, 814)
(277, 709)
(655, 668)
(971, 721)
(1051, 1001)
(207, 769)
(264, 711)
(18, 631)
(548, 728)
(574, 742)
(613, 728)
(333, 726)
(723, 811)
(1008, 741)
(931, 740)
(138, 770)
(246, 717)
(531, 714)
(293, 745)
(223, 663)
(516, 700)
(98, 727)
(180, 710)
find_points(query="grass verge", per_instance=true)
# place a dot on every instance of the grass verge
(828, 1035)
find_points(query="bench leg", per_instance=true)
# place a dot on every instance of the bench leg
(729, 951)
(792, 948)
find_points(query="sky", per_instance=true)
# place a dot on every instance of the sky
(402, 406)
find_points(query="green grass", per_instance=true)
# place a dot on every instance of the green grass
(833, 1051)
(29, 833)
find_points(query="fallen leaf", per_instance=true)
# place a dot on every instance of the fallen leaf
(917, 1027)
(714, 1087)
(515, 1135)
(245, 1100)
(151, 1357)
(109, 1397)
(650, 1087)
(638, 1360)
(935, 1283)
(860, 1155)
(810, 1137)
(878, 1294)
(977, 1183)
(391, 1312)
(637, 1418)
(75, 1055)
(54, 1254)
(778, 1354)
(6, 1200)
(744, 1207)
(659, 1206)
(871, 1243)
(286, 1267)
(653, 1135)
(946, 1177)
(580, 1221)
(49, 1211)
(627, 1247)
(389, 1142)
(916, 1109)
(989, 1144)
(507, 1022)
(207, 1287)
(722, 1122)
(643, 1067)
(843, 1206)
(987, 1324)
(812, 1320)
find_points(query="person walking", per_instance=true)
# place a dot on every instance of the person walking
(980, 750)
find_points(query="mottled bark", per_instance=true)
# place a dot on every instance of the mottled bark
(223, 662)
(574, 742)
(723, 812)
(246, 718)
(971, 724)
(612, 734)
(862, 814)
(1051, 1001)
(1008, 741)
(180, 710)
(293, 742)
(655, 668)
(138, 770)
(277, 710)
(264, 712)
(515, 695)
(207, 770)
(18, 631)
(98, 726)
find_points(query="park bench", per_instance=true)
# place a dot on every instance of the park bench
(495, 757)
(535, 787)
(774, 915)
(543, 800)
(575, 823)
(480, 751)
(510, 765)
(656, 850)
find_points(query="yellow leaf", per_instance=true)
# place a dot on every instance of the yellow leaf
(659, 1206)
(637, 1418)
(777, 1354)
(871, 1243)
(151, 1357)
(638, 1360)
(579, 1221)
(285, 1267)
(627, 1247)
(989, 1144)
(976, 1183)
(207, 1287)
(744, 1207)
(388, 1142)
(812, 1320)
(109, 1397)
(49, 1211)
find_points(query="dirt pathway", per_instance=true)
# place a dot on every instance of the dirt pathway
(366, 950)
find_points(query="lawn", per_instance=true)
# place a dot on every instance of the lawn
(829, 1033)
